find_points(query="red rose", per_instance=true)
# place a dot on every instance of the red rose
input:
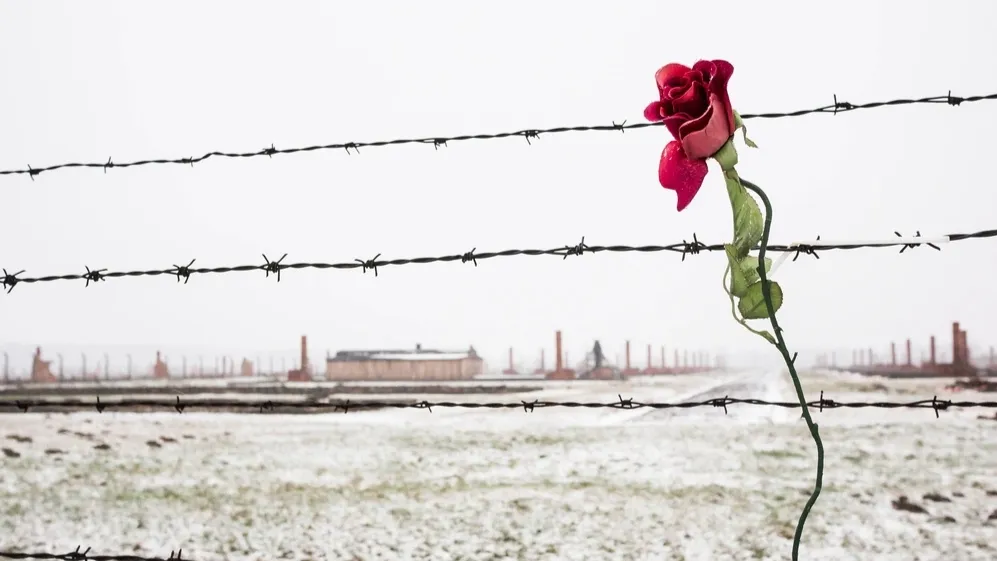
(695, 107)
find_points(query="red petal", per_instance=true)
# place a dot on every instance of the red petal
(680, 174)
(706, 68)
(693, 101)
(674, 122)
(669, 72)
(653, 111)
(718, 87)
(702, 137)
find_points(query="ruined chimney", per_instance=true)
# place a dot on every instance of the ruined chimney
(964, 347)
(628, 355)
(893, 354)
(909, 363)
(956, 342)
(160, 369)
(557, 345)
(304, 353)
(931, 359)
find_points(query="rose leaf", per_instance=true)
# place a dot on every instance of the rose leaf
(752, 304)
(748, 221)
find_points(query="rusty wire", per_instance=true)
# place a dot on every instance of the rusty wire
(183, 272)
(528, 134)
(528, 406)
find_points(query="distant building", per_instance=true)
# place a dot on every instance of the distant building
(418, 364)
(41, 370)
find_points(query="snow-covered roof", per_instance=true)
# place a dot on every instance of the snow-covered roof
(418, 354)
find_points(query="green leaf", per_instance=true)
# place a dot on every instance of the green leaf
(727, 155)
(739, 124)
(743, 271)
(738, 280)
(752, 304)
(749, 224)
(749, 267)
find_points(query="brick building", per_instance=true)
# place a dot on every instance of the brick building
(418, 364)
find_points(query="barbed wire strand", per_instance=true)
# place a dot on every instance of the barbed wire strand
(528, 406)
(86, 556)
(183, 272)
(528, 134)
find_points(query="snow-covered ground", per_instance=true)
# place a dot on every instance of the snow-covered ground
(504, 484)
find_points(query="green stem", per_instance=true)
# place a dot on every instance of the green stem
(781, 343)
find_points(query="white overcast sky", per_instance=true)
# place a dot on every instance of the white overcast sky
(135, 80)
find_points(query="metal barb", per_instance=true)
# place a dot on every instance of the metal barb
(10, 280)
(575, 249)
(806, 249)
(184, 271)
(369, 264)
(692, 248)
(77, 555)
(95, 276)
(273, 266)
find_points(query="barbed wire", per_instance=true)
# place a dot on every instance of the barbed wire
(528, 134)
(528, 406)
(183, 272)
(86, 556)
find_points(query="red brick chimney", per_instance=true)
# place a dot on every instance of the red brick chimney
(160, 370)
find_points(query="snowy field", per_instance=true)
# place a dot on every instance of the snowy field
(503, 484)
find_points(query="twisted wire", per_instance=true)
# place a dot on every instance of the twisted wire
(274, 267)
(834, 108)
(345, 406)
